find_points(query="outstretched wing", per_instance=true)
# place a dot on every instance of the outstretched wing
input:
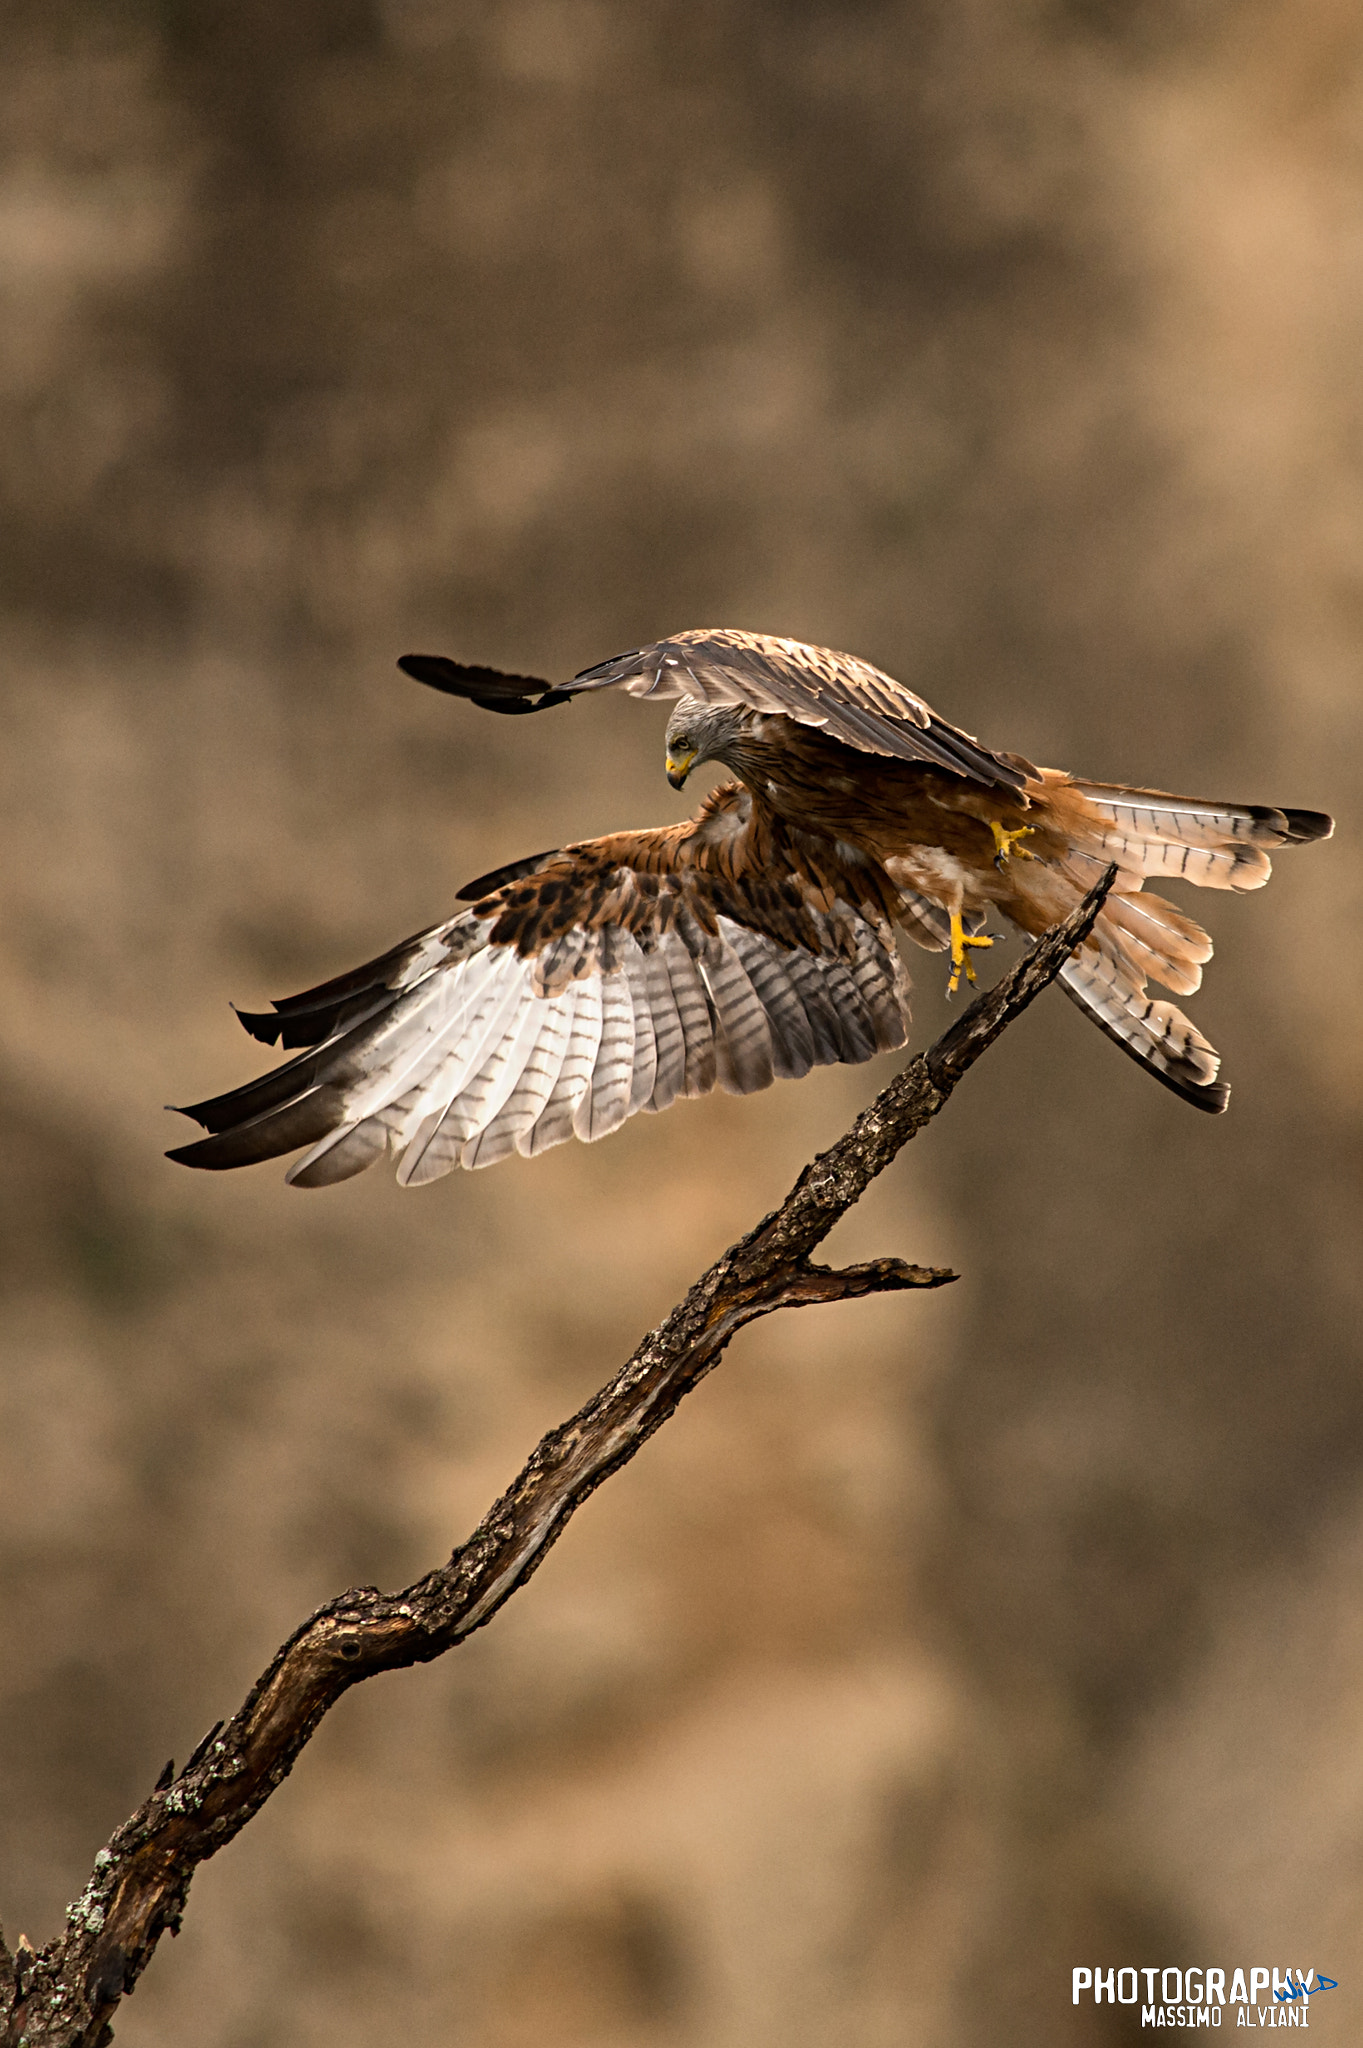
(614, 977)
(841, 695)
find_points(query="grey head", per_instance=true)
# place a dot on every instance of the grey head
(698, 732)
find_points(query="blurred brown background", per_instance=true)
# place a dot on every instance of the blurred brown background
(937, 1646)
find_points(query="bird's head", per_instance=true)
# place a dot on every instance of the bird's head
(698, 732)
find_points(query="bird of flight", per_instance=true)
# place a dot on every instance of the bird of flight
(748, 944)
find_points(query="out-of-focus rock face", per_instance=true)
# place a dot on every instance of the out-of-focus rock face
(937, 1646)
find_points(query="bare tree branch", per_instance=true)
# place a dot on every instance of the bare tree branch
(64, 1997)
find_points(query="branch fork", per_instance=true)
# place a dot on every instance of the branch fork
(65, 1995)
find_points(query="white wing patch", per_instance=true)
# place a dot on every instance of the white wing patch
(490, 1053)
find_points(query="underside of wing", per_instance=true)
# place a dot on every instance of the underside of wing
(837, 693)
(604, 982)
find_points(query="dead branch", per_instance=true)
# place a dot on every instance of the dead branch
(65, 1995)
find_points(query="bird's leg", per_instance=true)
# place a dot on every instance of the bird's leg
(1005, 842)
(959, 942)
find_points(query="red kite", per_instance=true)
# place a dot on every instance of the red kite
(749, 944)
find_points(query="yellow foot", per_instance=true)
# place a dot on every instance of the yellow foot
(1005, 842)
(959, 942)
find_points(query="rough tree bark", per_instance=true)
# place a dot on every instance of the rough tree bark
(65, 1995)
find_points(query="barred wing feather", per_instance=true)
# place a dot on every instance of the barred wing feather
(465, 1044)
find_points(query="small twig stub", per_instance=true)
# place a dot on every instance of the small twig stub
(65, 1996)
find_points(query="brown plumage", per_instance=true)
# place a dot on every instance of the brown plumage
(750, 943)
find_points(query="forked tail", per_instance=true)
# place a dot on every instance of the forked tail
(1139, 937)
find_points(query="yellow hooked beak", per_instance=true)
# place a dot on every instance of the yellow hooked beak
(679, 766)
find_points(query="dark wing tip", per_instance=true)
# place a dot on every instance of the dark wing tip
(189, 1109)
(279, 1113)
(490, 688)
(467, 679)
(184, 1155)
(1304, 826)
(265, 1025)
(220, 1153)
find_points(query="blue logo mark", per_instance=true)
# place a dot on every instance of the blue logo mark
(1305, 1990)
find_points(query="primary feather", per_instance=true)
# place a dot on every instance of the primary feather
(558, 1006)
(755, 941)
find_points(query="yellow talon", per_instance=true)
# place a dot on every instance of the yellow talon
(1004, 843)
(959, 942)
